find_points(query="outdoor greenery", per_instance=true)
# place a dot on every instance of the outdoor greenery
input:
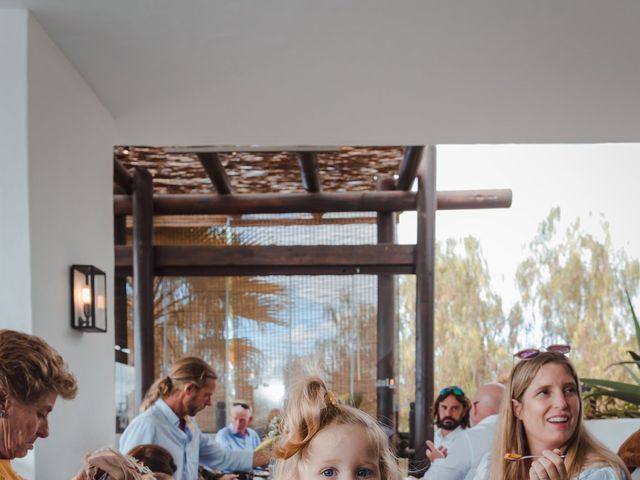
(571, 286)
(607, 398)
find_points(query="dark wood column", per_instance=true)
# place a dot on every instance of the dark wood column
(386, 332)
(143, 283)
(425, 282)
(120, 295)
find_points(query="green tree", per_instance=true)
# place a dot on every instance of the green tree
(471, 332)
(572, 291)
(470, 342)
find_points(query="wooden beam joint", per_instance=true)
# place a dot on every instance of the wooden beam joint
(215, 170)
(308, 162)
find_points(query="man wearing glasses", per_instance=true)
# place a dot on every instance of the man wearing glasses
(238, 435)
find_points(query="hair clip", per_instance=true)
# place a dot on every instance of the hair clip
(331, 399)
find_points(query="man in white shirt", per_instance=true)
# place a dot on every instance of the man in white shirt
(451, 416)
(463, 455)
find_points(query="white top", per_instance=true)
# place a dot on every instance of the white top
(465, 451)
(595, 473)
(441, 440)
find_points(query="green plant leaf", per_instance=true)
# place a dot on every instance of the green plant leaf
(630, 372)
(635, 318)
(624, 362)
(627, 397)
(598, 382)
(612, 387)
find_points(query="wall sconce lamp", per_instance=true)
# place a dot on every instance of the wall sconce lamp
(88, 298)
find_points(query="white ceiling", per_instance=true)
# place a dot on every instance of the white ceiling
(356, 72)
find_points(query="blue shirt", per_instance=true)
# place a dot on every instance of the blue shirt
(602, 473)
(232, 440)
(161, 426)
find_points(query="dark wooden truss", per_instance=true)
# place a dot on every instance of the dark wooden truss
(206, 182)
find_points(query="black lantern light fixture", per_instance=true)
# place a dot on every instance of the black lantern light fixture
(88, 298)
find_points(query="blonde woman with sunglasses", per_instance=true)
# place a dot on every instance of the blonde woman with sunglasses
(541, 418)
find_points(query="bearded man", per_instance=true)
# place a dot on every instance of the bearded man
(450, 415)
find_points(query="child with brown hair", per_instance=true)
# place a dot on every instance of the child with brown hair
(323, 438)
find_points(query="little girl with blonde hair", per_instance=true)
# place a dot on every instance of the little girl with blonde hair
(323, 438)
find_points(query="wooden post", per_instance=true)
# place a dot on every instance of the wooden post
(120, 295)
(386, 332)
(143, 334)
(425, 281)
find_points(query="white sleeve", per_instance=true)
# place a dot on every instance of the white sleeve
(602, 473)
(482, 472)
(454, 466)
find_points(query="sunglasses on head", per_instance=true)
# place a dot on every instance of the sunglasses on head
(529, 353)
(455, 390)
(241, 404)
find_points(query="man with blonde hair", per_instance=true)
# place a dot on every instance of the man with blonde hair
(167, 420)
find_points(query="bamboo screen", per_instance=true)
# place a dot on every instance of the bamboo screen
(260, 333)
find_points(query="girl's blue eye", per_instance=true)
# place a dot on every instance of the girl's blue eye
(329, 472)
(364, 473)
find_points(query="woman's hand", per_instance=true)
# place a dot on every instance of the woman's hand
(550, 466)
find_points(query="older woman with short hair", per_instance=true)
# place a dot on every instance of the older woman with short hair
(32, 376)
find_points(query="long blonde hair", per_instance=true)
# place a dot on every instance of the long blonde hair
(186, 370)
(310, 408)
(582, 450)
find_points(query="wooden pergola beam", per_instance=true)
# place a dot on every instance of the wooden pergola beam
(213, 166)
(274, 260)
(409, 167)
(393, 201)
(474, 199)
(308, 162)
(274, 203)
(121, 177)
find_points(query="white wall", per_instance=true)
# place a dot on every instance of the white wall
(612, 432)
(15, 283)
(57, 210)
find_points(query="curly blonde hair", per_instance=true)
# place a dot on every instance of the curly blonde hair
(30, 368)
(311, 407)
